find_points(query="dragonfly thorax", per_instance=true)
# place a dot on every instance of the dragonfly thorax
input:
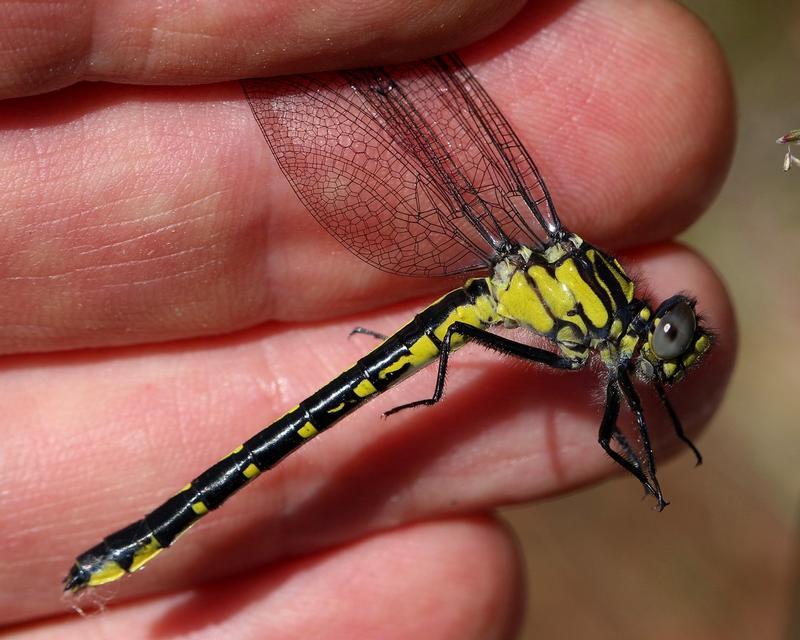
(582, 300)
(567, 291)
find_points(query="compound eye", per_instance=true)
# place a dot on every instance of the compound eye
(675, 332)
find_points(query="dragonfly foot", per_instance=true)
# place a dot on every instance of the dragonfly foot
(366, 332)
(419, 403)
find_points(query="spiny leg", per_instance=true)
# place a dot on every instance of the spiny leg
(608, 430)
(628, 452)
(635, 405)
(676, 423)
(366, 332)
(627, 449)
(490, 341)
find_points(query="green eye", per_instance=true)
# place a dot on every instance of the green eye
(674, 333)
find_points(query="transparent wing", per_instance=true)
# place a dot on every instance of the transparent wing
(413, 168)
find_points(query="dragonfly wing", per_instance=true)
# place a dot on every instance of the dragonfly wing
(413, 168)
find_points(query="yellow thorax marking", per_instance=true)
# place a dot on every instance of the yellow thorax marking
(520, 303)
(614, 267)
(568, 274)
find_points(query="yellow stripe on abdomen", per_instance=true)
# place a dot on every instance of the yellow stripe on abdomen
(420, 353)
(425, 350)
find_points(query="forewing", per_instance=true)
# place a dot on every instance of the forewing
(412, 168)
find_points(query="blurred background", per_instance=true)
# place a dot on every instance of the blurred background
(724, 560)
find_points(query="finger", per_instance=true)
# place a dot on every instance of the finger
(47, 46)
(631, 118)
(148, 215)
(400, 584)
(101, 439)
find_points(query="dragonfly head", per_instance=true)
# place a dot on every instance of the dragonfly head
(675, 341)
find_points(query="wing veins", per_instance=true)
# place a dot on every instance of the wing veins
(413, 168)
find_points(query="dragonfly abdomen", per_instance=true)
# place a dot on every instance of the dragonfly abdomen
(414, 346)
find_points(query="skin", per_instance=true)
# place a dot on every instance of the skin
(149, 242)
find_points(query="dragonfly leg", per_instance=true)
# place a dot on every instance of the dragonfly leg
(629, 453)
(676, 423)
(627, 449)
(495, 343)
(366, 332)
(609, 431)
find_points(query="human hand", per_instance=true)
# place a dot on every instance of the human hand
(152, 223)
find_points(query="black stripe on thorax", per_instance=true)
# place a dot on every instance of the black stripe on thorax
(604, 273)
(591, 277)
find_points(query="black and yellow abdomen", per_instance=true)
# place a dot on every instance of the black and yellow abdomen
(414, 346)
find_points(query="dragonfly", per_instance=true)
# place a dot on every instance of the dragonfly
(414, 169)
